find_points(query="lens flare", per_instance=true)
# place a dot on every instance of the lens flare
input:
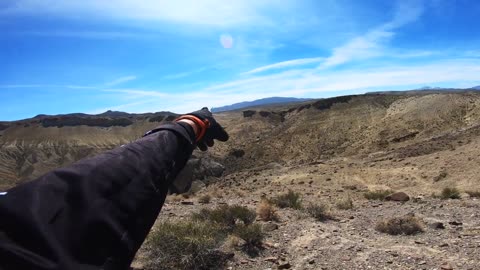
(226, 41)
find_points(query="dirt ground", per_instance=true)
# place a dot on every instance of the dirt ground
(350, 240)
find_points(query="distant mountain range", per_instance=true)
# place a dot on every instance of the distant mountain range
(476, 87)
(259, 102)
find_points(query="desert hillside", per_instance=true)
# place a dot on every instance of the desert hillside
(328, 151)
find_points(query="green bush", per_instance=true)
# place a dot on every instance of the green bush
(377, 194)
(290, 199)
(252, 235)
(450, 193)
(407, 225)
(319, 212)
(186, 245)
(226, 215)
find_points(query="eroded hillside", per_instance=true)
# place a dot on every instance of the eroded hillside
(375, 127)
(331, 152)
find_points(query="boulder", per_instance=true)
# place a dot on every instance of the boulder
(195, 172)
(398, 197)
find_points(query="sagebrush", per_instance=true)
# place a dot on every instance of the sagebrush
(290, 199)
(450, 193)
(319, 211)
(226, 215)
(185, 245)
(406, 225)
(345, 203)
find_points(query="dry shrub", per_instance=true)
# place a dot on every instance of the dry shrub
(252, 235)
(473, 194)
(377, 194)
(319, 212)
(233, 242)
(226, 215)
(266, 211)
(450, 193)
(205, 198)
(290, 199)
(407, 225)
(185, 245)
(345, 203)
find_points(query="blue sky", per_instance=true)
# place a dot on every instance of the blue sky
(180, 55)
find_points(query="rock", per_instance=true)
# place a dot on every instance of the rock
(437, 226)
(212, 168)
(284, 266)
(197, 186)
(270, 227)
(455, 223)
(268, 244)
(186, 202)
(446, 266)
(443, 245)
(398, 197)
(271, 259)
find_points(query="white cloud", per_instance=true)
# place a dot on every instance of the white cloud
(115, 82)
(69, 86)
(372, 43)
(183, 74)
(86, 34)
(309, 83)
(121, 80)
(138, 93)
(284, 64)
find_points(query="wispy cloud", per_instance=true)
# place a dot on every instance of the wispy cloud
(286, 64)
(372, 43)
(68, 86)
(183, 74)
(314, 83)
(121, 80)
(115, 82)
(84, 34)
(138, 93)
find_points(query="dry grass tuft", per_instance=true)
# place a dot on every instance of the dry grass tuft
(345, 203)
(319, 212)
(290, 199)
(252, 235)
(185, 245)
(377, 194)
(266, 211)
(407, 225)
(450, 193)
(226, 215)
